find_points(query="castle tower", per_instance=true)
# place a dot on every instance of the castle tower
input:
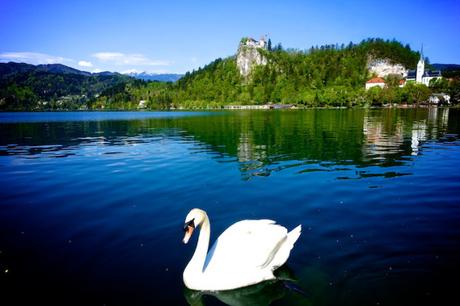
(420, 68)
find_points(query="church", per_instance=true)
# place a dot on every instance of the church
(422, 76)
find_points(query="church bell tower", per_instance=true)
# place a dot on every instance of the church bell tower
(420, 68)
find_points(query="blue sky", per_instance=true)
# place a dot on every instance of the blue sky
(178, 36)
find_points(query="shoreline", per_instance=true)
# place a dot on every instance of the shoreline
(235, 108)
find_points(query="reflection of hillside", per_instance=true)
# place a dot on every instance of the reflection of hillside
(261, 141)
(379, 142)
(390, 136)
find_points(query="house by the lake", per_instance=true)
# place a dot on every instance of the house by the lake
(377, 81)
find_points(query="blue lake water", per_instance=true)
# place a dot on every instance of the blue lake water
(92, 204)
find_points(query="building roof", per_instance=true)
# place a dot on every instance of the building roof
(376, 80)
(434, 73)
(411, 74)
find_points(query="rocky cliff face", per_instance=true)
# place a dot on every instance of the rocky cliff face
(383, 68)
(248, 57)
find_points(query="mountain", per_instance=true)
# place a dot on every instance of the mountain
(7, 69)
(450, 71)
(446, 67)
(160, 77)
(54, 86)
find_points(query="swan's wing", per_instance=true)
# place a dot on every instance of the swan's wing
(246, 245)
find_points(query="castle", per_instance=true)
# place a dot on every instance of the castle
(251, 42)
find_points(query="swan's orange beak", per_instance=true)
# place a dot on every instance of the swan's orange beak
(188, 229)
(188, 234)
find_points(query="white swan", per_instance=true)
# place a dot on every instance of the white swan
(246, 253)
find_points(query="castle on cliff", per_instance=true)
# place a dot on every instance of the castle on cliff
(251, 42)
(249, 55)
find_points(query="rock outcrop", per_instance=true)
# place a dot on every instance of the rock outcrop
(383, 68)
(249, 55)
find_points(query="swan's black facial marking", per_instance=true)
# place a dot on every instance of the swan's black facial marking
(190, 223)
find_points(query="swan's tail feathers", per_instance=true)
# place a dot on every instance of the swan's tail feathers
(294, 234)
(284, 251)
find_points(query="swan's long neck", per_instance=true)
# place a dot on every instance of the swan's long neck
(199, 257)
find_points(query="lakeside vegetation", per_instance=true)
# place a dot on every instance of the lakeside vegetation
(329, 75)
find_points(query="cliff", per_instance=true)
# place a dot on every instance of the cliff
(249, 55)
(384, 67)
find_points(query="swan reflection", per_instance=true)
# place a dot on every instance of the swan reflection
(264, 293)
(261, 294)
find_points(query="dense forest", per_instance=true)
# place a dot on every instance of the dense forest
(52, 87)
(329, 75)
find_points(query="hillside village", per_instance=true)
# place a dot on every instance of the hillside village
(383, 68)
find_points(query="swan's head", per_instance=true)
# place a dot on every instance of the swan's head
(194, 218)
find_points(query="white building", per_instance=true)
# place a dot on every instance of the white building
(142, 104)
(422, 76)
(440, 98)
(375, 82)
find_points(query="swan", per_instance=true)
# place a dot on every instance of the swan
(245, 254)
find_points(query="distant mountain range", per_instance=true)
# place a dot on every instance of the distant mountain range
(161, 77)
(11, 68)
(8, 69)
(446, 67)
(56, 86)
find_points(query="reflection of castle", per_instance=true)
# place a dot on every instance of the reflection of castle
(248, 152)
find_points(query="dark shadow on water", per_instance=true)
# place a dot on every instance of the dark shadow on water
(261, 294)
(264, 293)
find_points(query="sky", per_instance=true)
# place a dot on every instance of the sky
(179, 36)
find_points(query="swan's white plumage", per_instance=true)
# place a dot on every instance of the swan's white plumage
(246, 253)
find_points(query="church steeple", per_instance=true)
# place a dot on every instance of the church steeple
(420, 67)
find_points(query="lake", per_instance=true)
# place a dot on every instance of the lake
(92, 204)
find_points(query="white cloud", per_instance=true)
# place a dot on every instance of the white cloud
(118, 58)
(85, 64)
(32, 58)
(97, 70)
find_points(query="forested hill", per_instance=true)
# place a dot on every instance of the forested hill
(320, 76)
(294, 76)
(54, 86)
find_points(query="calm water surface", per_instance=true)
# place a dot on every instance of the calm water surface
(92, 204)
